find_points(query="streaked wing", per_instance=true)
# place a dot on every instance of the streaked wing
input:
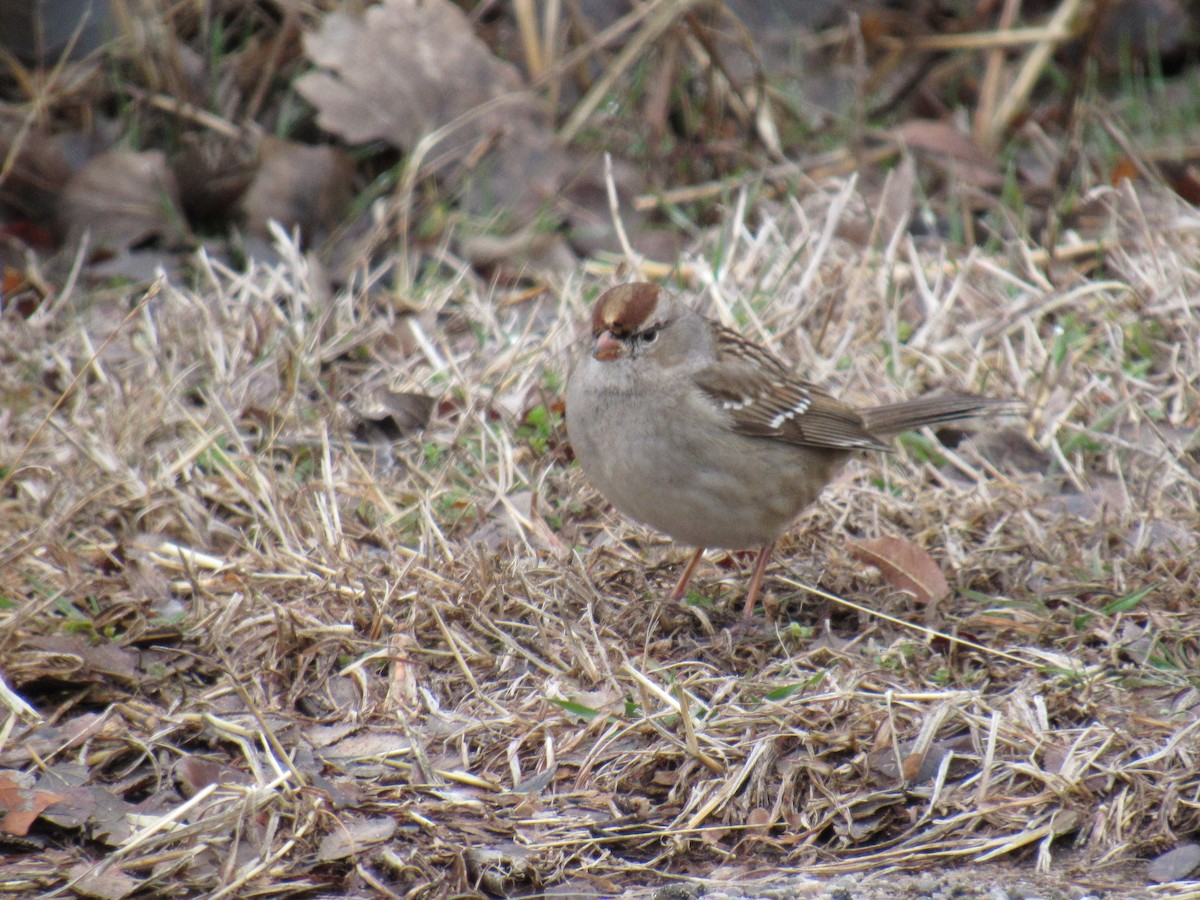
(764, 399)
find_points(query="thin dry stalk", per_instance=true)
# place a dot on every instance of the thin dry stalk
(438, 658)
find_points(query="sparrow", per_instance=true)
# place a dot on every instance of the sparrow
(684, 425)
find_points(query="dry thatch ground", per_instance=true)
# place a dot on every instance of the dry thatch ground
(272, 650)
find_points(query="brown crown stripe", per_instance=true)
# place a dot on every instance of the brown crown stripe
(624, 309)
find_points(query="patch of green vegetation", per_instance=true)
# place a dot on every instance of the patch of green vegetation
(79, 626)
(473, 453)
(433, 454)
(539, 428)
(367, 513)
(687, 218)
(1066, 677)
(977, 596)
(156, 670)
(1129, 602)
(897, 657)
(215, 459)
(797, 632)
(1087, 440)
(797, 687)
(921, 448)
(305, 464)
(586, 713)
(1163, 659)
(454, 505)
(66, 608)
(406, 527)
(82, 621)
(173, 619)
(1153, 109)
(1070, 334)
(1141, 338)
(553, 382)
(1082, 442)
(1012, 194)
(885, 486)
(887, 347)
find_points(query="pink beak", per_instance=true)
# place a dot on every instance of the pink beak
(607, 347)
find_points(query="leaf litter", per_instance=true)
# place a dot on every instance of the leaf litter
(416, 75)
(332, 678)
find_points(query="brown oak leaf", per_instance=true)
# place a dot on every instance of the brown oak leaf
(905, 566)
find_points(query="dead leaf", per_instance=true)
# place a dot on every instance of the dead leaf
(532, 245)
(137, 266)
(759, 821)
(1175, 865)
(37, 168)
(342, 793)
(918, 768)
(402, 70)
(1162, 535)
(367, 745)
(1133, 32)
(385, 414)
(46, 34)
(105, 884)
(97, 660)
(84, 805)
(84, 727)
(299, 186)
(896, 201)
(1104, 495)
(954, 149)
(76, 804)
(121, 199)
(213, 174)
(905, 566)
(405, 69)
(502, 870)
(355, 835)
(1183, 177)
(22, 805)
(326, 735)
(50, 739)
(194, 773)
(1011, 451)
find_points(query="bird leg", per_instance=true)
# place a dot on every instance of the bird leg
(681, 585)
(756, 580)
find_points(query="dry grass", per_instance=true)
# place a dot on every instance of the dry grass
(265, 637)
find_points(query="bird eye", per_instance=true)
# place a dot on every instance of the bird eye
(650, 335)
